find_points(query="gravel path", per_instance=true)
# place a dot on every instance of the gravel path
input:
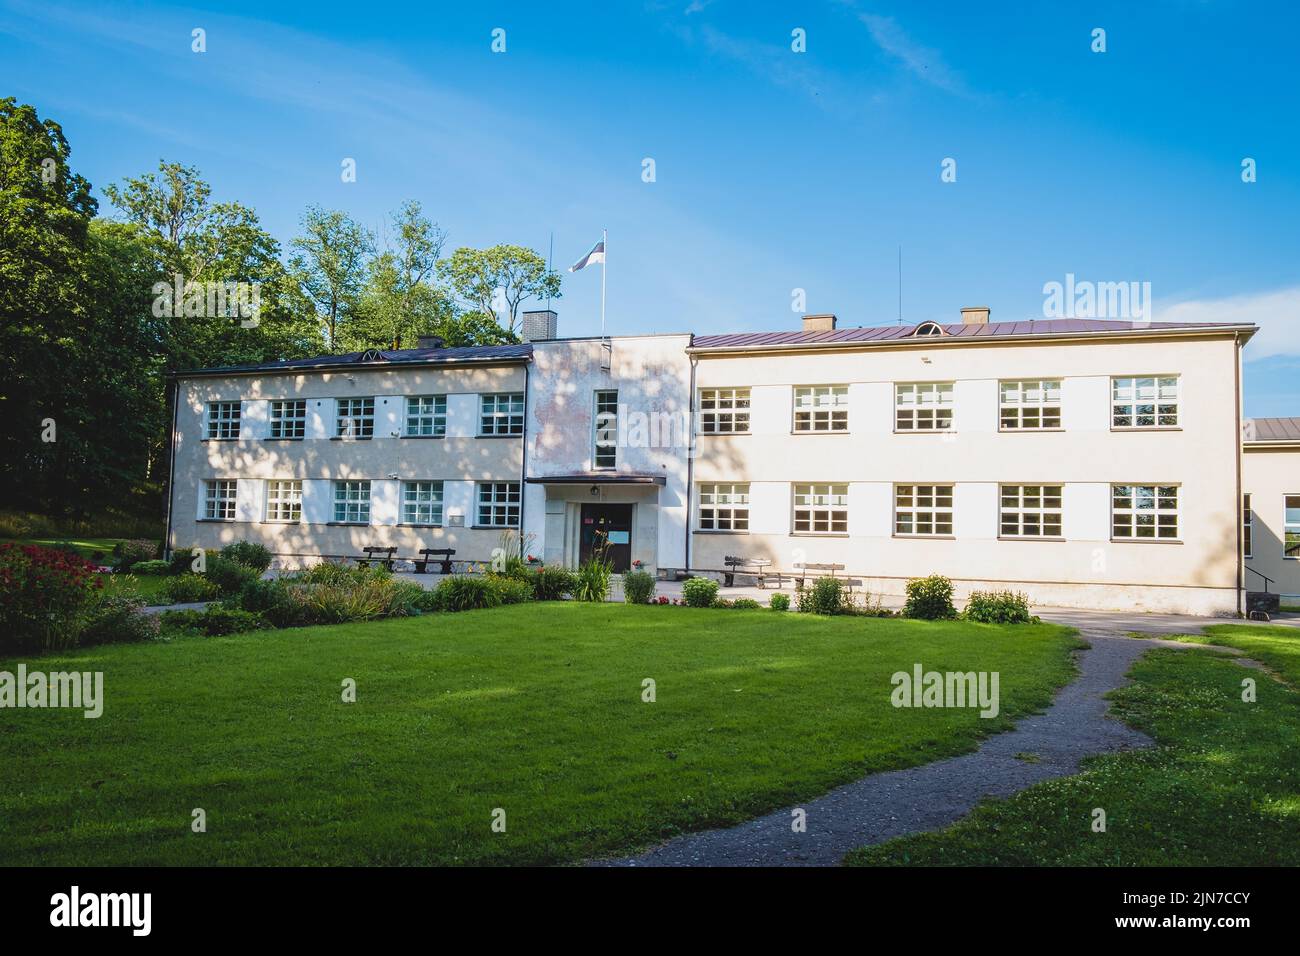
(886, 805)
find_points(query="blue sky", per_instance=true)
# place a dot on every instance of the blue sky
(775, 170)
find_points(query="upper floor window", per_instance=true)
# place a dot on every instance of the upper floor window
(356, 418)
(498, 504)
(284, 500)
(923, 509)
(289, 418)
(724, 507)
(1247, 526)
(422, 502)
(1291, 527)
(426, 416)
(605, 439)
(1144, 402)
(223, 419)
(1035, 403)
(501, 414)
(352, 502)
(724, 411)
(1031, 511)
(1144, 511)
(821, 509)
(821, 408)
(923, 406)
(219, 499)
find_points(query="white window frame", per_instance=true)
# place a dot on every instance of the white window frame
(724, 507)
(1031, 404)
(354, 418)
(1290, 528)
(283, 500)
(921, 506)
(604, 428)
(352, 497)
(501, 413)
(1159, 496)
(928, 406)
(426, 416)
(422, 507)
(825, 504)
(288, 418)
(497, 504)
(1129, 410)
(224, 420)
(219, 496)
(1037, 511)
(820, 409)
(724, 411)
(1248, 526)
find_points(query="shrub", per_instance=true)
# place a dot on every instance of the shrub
(511, 591)
(249, 554)
(592, 580)
(700, 592)
(552, 582)
(779, 602)
(722, 603)
(190, 588)
(230, 576)
(181, 561)
(638, 587)
(463, 593)
(118, 619)
(746, 604)
(151, 567)
(43, 595)
(363, 598)
(272, 600)
(214, 622)
(128, 553)
(329, 573)
(406, 596)
(929, 598)
(826, 596)
(998, 607)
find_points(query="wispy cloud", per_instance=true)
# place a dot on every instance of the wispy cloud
(925, 63)
(1277, 313)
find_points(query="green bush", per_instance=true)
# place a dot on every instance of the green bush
(700, 592)
(826, 596)
(230, 576)
(214, 622)
(464, 593)
(181, 561)
(190, 588)
(511, 590)
(129, 553)
(552, 582)
(929, 598)
(746, 604)
(151, 567)
(638, 587)
(998, 607)
(363, 598)
(406, 597)
(117, 619)
(273, 601)
(592, 580)
(328, 572)
(43, 596)
(779, 602)
(249, 554)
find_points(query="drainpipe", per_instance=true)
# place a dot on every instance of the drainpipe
(523, 462)
(690, 460)
(1237, 454)
(174, 391)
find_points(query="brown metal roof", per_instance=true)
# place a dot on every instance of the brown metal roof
(1272, 429)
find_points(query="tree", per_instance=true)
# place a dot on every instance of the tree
(499, 279)
(330, 267)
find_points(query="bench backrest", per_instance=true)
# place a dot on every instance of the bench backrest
(447, 551)
(379, 550)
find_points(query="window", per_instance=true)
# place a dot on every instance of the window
(821, 408)
(1150, 402)
(352, 502)
(724, 507)
(223, 419)
(1030, 404)
(1291, 528)
(923, 509)
(498, 504)
(289, 418)
(821, 509)
(923, 406)
(927, 329)
(219, 499)
(724, 411)
(1144, 511)
(426, 416)
(422, 502)
(284, 500)
(1031, 511)
(502, 414)
(356, 418)
(605, 452)
(1247, 525)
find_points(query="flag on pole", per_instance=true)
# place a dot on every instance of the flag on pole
(597, 254)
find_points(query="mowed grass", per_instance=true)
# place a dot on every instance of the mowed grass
(535, 709)
(1222, 787)
(86, 547)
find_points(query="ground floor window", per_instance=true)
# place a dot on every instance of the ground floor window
(422, 502)
(498, 504)
(284, 500)
(352, 502)
(219, 499)
(1291, 532)
(923, 509)
(724, 507)
(1030, 511)
(1247, 525)
(821, 509)
(1140, 512)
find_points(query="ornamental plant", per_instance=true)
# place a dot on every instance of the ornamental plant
(700, 592)
(43, 597)
(929, 598)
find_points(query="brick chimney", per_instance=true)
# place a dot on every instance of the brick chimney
(538, 326)
(429, 341)
(975, 315)
(819, 323)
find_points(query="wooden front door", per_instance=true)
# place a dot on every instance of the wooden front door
(608, 527)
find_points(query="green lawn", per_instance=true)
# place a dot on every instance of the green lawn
(1222, 788)
(147, 586)
(86, 547)
(535, 709)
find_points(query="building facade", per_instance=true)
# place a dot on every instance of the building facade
(1087, 463)
(1271, 506)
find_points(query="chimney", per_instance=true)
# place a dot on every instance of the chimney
(975, 315)
(538, 326)
(429, 341)
(819, 323)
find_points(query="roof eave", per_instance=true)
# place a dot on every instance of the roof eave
(335, 366)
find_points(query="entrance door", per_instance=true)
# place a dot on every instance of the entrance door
(608, 527)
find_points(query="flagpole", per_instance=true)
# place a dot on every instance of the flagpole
(604, 262)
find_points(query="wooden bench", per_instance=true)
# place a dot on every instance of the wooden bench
(757, 567)
(427, 558)
(389, 555)
(824, 571)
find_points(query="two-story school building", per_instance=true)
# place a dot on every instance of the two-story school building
(1271, 506)
(1089, 463)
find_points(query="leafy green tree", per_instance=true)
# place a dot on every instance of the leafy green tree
(329, 267)
(499, 280)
